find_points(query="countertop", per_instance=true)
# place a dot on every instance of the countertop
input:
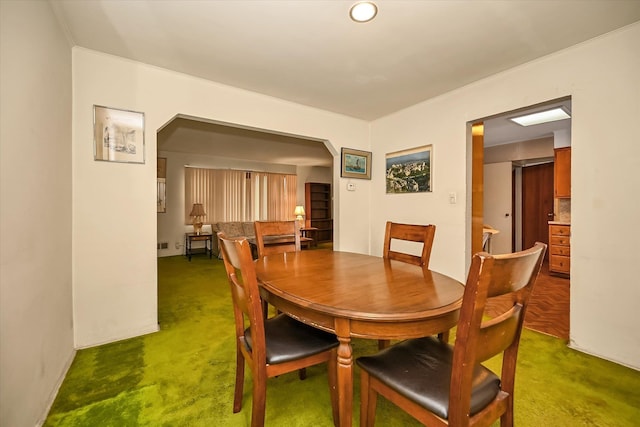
(559, 223)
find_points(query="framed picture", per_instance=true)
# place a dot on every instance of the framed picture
(162, 195)
(356, 164)
(162, 184)
(409, 171)
(118, 135)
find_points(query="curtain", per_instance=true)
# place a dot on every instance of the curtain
(281, 196)
(231, 195)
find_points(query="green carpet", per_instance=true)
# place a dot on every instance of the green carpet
(183, 375)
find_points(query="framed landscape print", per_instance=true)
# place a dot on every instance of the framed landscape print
(355, 164)
(409, 171)
(118, 135)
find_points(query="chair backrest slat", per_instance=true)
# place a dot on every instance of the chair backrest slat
(413, 233)
(269, 232)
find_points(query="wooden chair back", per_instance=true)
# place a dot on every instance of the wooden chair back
(247, 305)
(294, 346)
(274, 237)
(478, 338)
(414, 233)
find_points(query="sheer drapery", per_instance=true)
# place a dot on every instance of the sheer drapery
(231, 195)
(281, 196)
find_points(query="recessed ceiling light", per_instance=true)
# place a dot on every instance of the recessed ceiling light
(363, 11)
(541, 117)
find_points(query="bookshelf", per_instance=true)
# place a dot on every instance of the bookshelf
(318, 209)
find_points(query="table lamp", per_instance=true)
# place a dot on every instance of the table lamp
(196, 212)
(299, 213)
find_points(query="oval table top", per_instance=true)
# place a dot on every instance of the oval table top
(357, 286)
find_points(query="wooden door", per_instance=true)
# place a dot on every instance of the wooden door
(537, 203)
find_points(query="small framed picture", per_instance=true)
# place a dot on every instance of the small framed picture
(118, 135)
(409, 171)
(162, 184)
(355, 164)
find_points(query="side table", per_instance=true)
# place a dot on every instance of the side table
(189, 238)
(310, 232)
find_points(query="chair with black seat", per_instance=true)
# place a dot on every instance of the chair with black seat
(409, 232)
(270, 347)
(274, 237)
(423, 234)
(443, 385)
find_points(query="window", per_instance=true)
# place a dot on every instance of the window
(232, 195)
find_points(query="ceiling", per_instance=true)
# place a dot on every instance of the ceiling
(310, 52)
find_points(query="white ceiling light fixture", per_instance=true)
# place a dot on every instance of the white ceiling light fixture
(552, 115)
(363, 11)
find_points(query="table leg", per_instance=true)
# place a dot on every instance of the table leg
(345, 372)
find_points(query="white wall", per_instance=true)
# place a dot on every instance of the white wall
(36, 328)
(115, 219)
(599, 74)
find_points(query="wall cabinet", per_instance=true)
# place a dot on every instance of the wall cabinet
(559, 248)
(318, 210)
(562, 172)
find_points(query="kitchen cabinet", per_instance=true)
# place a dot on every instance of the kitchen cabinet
(562, 172)
(559, 248)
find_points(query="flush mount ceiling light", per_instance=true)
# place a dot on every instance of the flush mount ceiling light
(542, 117)
(363, 11)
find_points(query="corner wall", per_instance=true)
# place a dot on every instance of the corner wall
(601, 76)
(36, 328)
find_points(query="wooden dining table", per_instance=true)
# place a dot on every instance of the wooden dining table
(356, 295)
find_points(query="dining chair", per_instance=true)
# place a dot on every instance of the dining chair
(267, 235)
(423, 234)
(270, 347)
(409, 232)
(274, 237)
(444, 385)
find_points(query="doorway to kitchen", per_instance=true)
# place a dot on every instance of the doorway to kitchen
(525, 158)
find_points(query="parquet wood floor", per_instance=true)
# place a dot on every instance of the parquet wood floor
(548, 310)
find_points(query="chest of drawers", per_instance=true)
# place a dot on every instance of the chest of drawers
(559, 249)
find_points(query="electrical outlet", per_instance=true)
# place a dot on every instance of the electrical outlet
(452, 198)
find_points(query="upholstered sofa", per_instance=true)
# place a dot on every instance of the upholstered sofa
(232, 229)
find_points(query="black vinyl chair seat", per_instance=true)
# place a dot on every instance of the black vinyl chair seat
(420, 369)
(270, 347)
(288, 339)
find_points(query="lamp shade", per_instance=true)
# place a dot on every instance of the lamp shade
(299, 210)
(197, 210)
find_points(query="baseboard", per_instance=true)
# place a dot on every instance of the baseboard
(140, 332)
(572, 345)
(56, 389)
